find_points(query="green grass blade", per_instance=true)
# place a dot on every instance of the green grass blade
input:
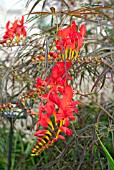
(109, 158)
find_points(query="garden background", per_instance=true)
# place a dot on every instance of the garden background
(91, 145)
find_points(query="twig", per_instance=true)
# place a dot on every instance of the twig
(98, 105)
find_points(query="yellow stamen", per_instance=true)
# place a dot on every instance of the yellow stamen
(17, 38)
(50, 123)
(62, 56)
(48, 132)
(37, 146)
(33, 60)
(49, 57)
(41, 58)
(48, 86)
(46, 137)
(32, 154)
(61, 123)
(43, 141)
(59, 56)
(7, 42)
(72, 55)
(39, 143)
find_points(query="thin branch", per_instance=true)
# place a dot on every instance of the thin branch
(85, 95)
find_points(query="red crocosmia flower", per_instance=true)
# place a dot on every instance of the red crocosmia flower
(67, 97)
(59, 69)
(54, 54)
(40, 83)
(40, 57)
(55, 72)
(53, 97)
(59, 45)
(7, 25)
(59, 76)
(14, 25)
(24, 33)
(50, 108)
(66, 130)
(67, 105)
(83, 30)
(80, 41)
(58, 102)
(61, 66)
(9, 34)
(39, 140)
(61, 137)
(41, 133)
(65, 113)
(17, 29)
(80, 36)
(64, 33)
(73, 26)
(43, 120)
(69, 37)
(64, 44)
(66, 122)
(69, 43)
(65, 39)
(22, 20)
(75, 103)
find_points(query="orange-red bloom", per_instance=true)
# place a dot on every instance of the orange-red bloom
(69, 37)
(58, 78)
(14, 30)
(58, 109)
(66, 130)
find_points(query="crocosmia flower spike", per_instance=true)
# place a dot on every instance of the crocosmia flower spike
(56, 110)
(15, 32)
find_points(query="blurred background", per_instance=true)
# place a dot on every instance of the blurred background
(94, 79)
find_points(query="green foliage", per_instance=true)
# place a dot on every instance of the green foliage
(110, 159)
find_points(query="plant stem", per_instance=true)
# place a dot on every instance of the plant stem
(85, 95)
(10, 144)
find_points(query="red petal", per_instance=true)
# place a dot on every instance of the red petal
(83, 30)
(74, 103)
(55, 72)
(22, 20)
(80, 41)
(67, 122)
(73, 25)
(66, 130)
(63, 33)
(67, 96)
(61, 137)
(7, 25)
(76, 110)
